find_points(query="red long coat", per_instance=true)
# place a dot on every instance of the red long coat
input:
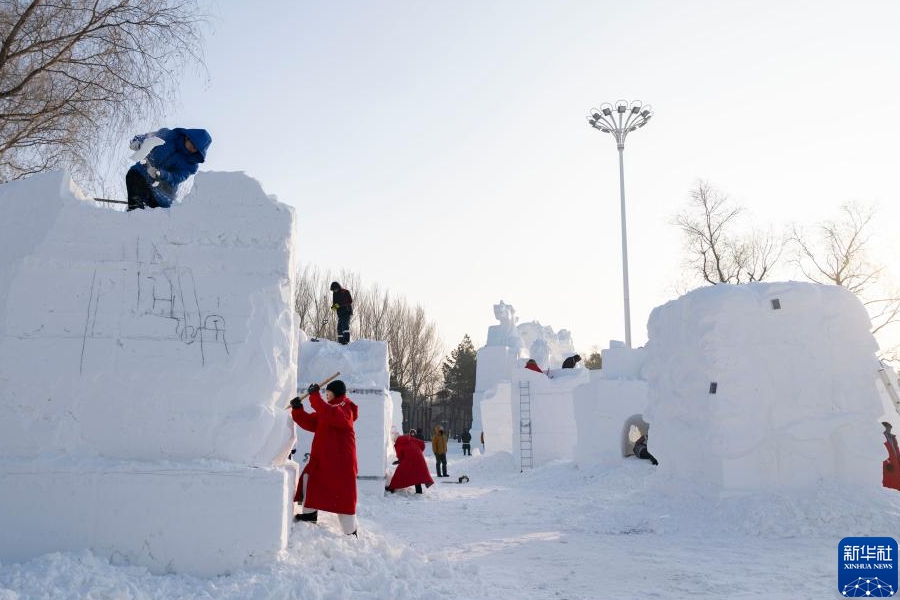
(332, 459)
(891, 466)
(412, 470)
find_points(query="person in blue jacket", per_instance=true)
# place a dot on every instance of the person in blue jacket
(153, 182)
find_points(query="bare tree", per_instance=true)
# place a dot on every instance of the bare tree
(75, 72)
(716, 253)
(839, 255)
(413, 342)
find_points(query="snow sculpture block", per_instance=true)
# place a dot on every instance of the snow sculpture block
(603, 408)
(147, 341)
(505, 333)
(546, 346)
(496, 402)
(363, 365)
(552, 420)
(796, 399)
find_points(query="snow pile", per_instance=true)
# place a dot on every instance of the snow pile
(764, 387)
(363, 367)
(144, 361)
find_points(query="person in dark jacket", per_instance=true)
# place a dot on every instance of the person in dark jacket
(153, 182)
(328, 481)
(466, 443)
(640, 450)
(439, 448)
(570, 362)
(411, 466)
(342, 303)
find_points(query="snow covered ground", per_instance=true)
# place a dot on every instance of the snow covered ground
(557, 532)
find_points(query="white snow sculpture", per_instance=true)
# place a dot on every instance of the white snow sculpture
(363, 365)
(145, 359)
(764, 387)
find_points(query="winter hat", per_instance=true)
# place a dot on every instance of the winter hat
(337, 387)
(335, 286)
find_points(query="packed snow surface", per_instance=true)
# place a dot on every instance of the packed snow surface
(557, 531)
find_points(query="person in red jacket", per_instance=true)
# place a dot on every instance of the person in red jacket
(533, 366)
(328, 482)
(411, 466)
(891, 466)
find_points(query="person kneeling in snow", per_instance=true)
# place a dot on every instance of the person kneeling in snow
(411, 466)
(640, 450)
(153, 182)
(328, 482)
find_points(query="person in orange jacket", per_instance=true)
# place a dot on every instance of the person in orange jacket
(328, 482)
(439, 447)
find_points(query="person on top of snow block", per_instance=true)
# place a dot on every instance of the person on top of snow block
(411, 466)
(153, 181)
(570, 362)
(891, 466)
(532, 365)
(342, 303)
(328, 482)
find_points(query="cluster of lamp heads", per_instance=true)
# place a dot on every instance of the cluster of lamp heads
(631, 116)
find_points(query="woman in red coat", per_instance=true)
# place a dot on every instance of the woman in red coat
(891, 466)
(328, 482)
(411, 468)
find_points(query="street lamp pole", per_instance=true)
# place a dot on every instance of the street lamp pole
(620, 120)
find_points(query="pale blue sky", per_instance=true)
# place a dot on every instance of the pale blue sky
(440, 149)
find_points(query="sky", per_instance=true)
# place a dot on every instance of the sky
(441, 150)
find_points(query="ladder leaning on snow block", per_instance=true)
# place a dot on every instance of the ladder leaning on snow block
(889, 386)
(526, 448)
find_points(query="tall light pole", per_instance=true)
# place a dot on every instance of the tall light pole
(620, 120)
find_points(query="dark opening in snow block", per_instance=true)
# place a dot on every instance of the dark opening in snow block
(712, 387)
(776, 304)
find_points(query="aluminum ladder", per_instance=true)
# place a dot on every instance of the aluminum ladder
(526, 448)
(889, 387)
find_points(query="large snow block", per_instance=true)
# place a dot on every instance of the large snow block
(363, 367)
(765, 386)
(202, 518)
(133, 346)
(603, 410)
(362, 363)
(535, 408)
(159, 334)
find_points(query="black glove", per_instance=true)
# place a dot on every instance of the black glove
(313, 388)
(296, 402)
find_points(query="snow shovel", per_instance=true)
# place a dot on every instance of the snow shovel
(462, 479)
(321, 384)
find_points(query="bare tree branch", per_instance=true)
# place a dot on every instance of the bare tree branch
(716, 254)
(75, 73)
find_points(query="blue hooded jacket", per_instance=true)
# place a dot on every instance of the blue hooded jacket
(173, 160)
